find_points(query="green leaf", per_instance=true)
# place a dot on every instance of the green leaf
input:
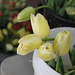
(70, 10)
(73, 55)
(51, 4)
(60, 71)
(72, 72)
(52, 63)
(46, 1)
(63, 9)
(58, 4)
(73, 3)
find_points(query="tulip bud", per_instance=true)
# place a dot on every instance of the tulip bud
(5, 32)
(28, 43)
(25, 14)
(70, 10)
(46, 52)
(9, 26)
(21, 32)
(15, 42)
(1, 36)
(9, 47)
(62, 43)
(40, 26)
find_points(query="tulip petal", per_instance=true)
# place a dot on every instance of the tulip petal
(29, 43)
(20, 51)
(40, 26)
(33, 24)
(46, 52)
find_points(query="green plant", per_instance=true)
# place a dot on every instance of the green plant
(62, 7)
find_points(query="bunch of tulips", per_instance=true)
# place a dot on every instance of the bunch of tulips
(41, 30)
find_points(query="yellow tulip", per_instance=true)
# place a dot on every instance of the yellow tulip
(5, 32)
(1, 36)
(15, 42)
(46, 52)
(9, 47)
(40, 26)
(24, 15)
(28, 43)
(62, 43)
(21, 32)
(9, 26)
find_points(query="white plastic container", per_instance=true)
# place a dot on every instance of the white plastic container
(40, 67)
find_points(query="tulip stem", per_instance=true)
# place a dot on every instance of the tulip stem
(44, 6)
(48, 39)
(57, 64)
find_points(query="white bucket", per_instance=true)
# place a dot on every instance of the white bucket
(40, 67)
